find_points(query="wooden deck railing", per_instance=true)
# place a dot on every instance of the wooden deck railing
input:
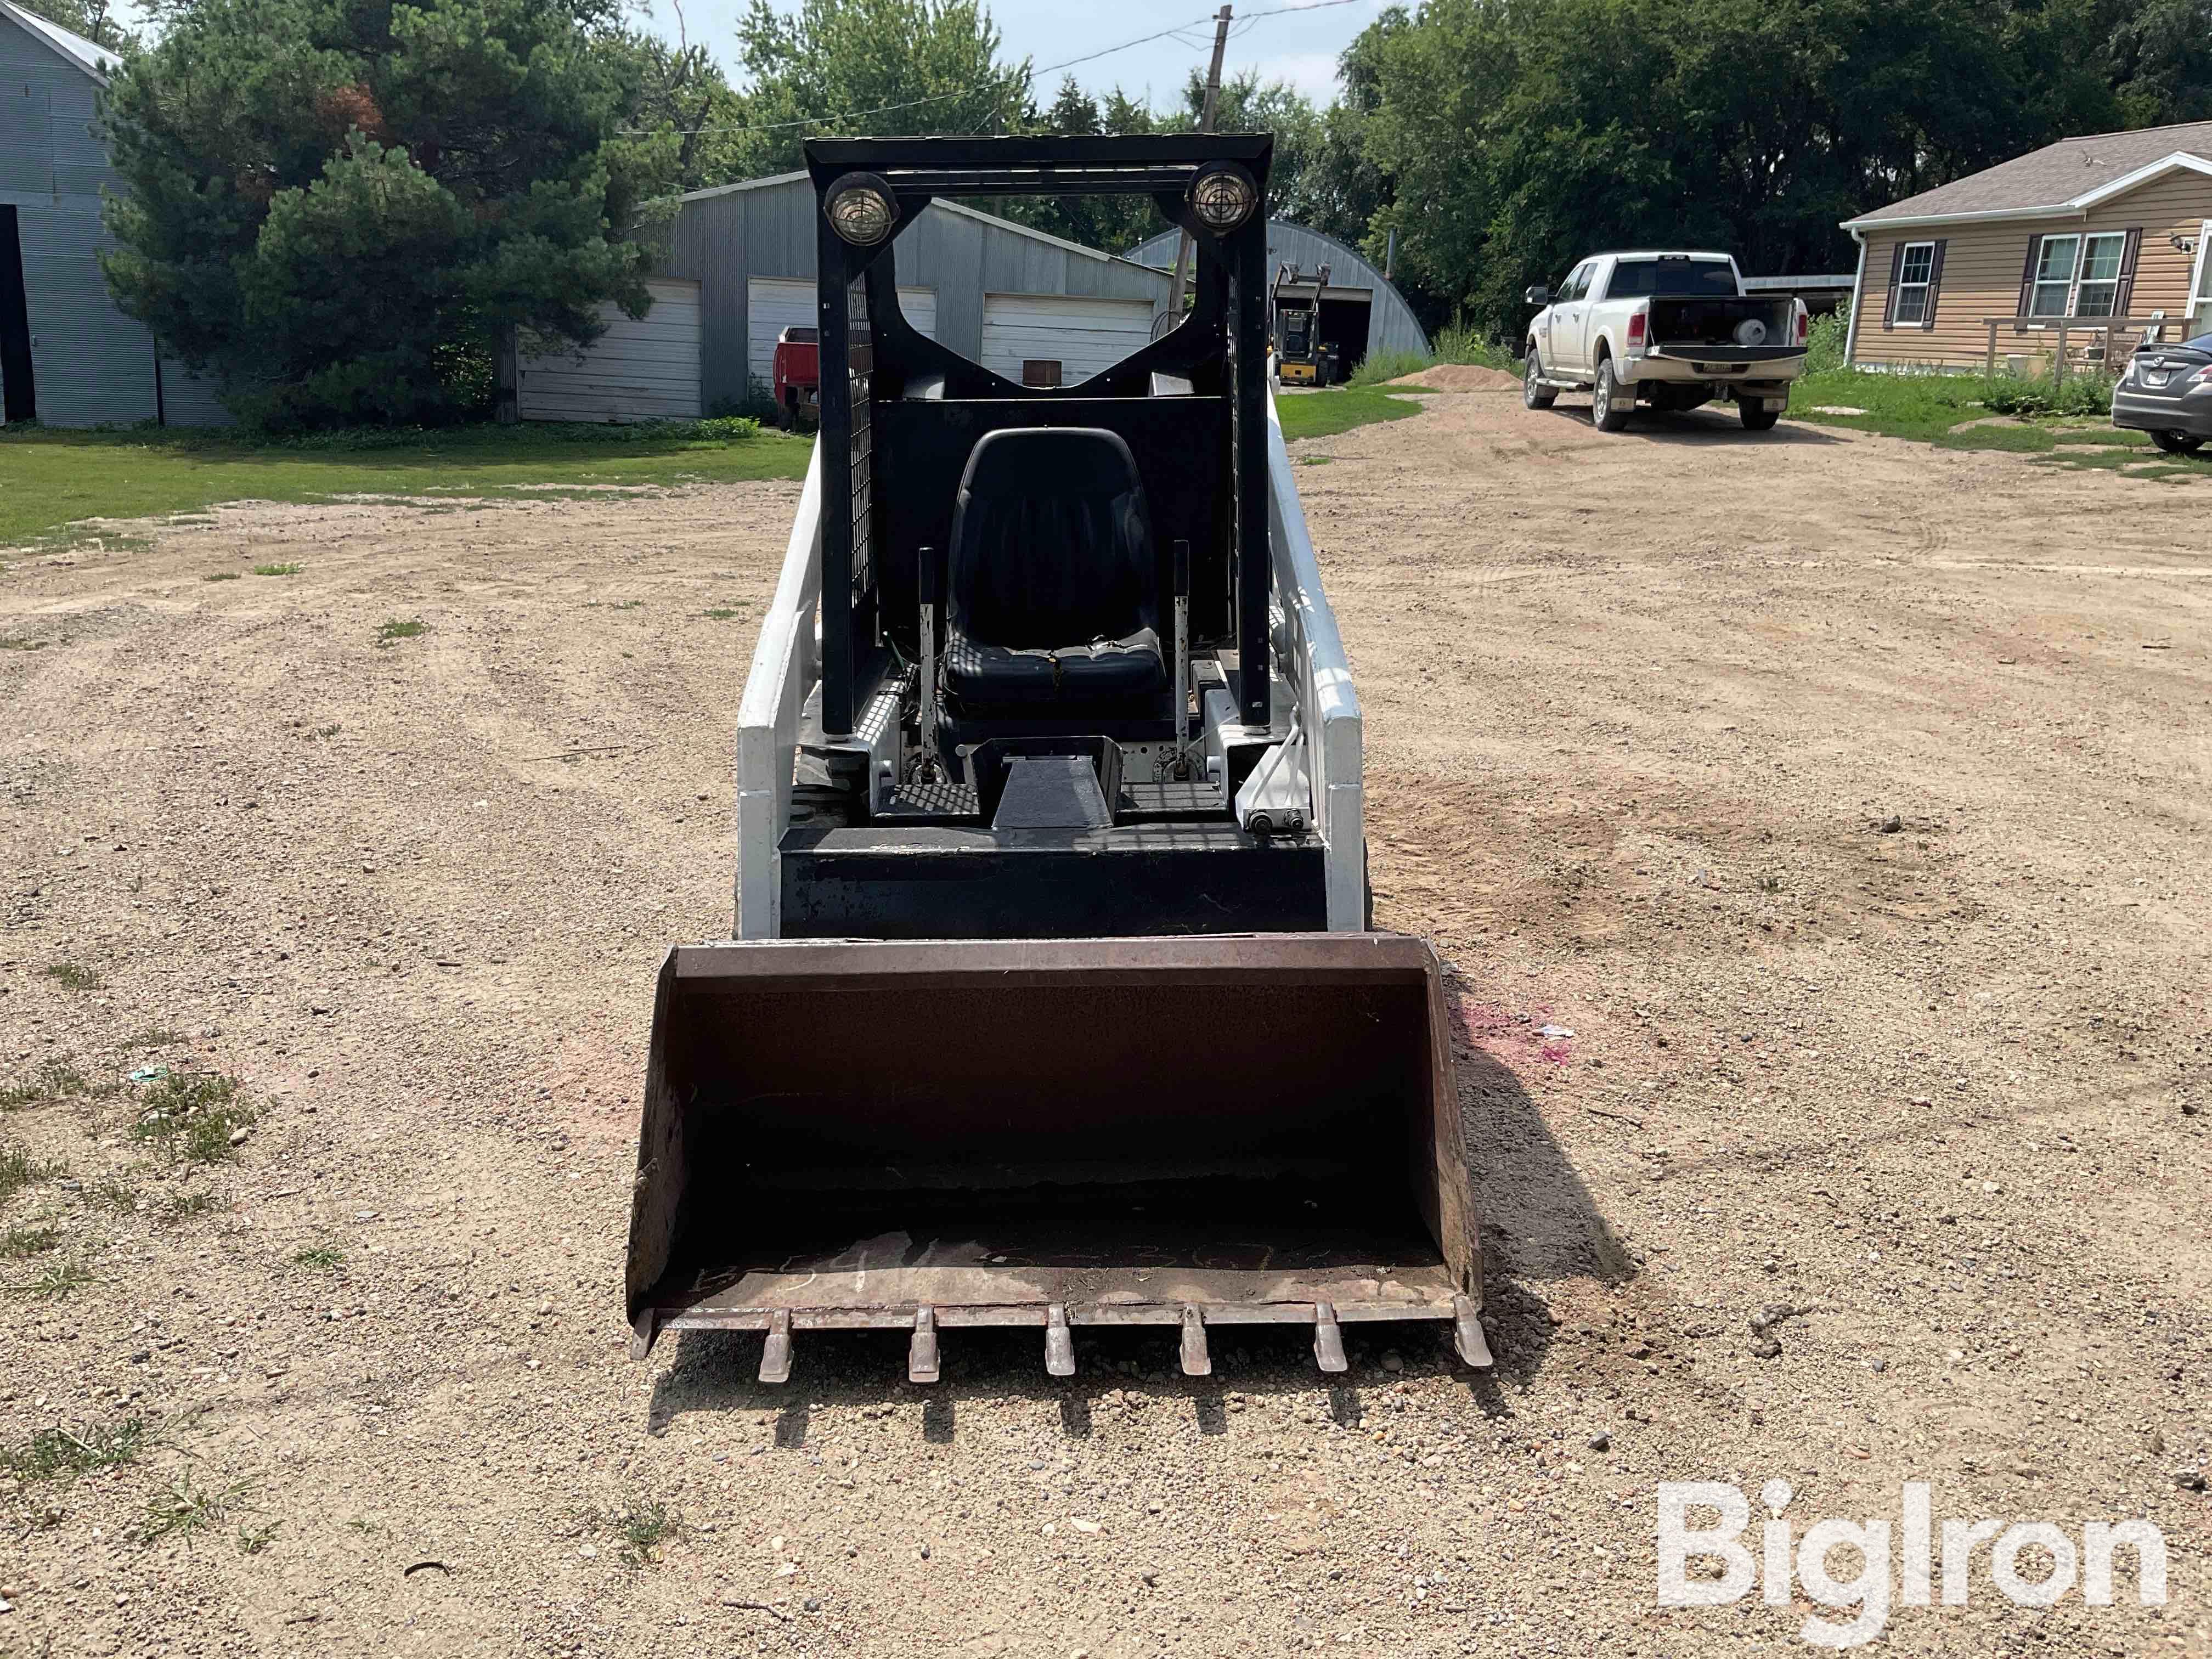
(2107, 326)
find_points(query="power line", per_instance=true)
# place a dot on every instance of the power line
(1248, 19)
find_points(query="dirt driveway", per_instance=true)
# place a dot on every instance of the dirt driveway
(1846, 799)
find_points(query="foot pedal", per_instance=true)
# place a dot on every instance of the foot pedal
(921, 1351)
(1466, 1335)
(1195, 1360)
(1059, 1342)
(1329, 1339)
(776, 1353)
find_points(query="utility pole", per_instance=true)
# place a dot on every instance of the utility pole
(1204, 124)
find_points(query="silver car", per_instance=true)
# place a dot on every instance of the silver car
(2166, 392)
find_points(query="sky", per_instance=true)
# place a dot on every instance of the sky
(1299, 43)
(1300, 47)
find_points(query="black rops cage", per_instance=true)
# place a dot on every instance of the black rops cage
(899, 423)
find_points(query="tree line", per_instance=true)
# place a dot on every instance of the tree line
(342, 206)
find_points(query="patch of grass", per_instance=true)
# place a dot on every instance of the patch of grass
(1319, 460)
(1380, 366)
(1339, 409)
(51, 476)
(397, 630)
(54, 1453)
(52, 1082)
(185, 1508)
(721, 613)
(192, 1116)
(278, 569)
(19, 1169)
(22, 1243)
(119, 1196)
(178, 1206)
(22, 644)
(72, 977)
(252, 1539)
(627, 604)
(317, 1258)
(153, 1036)
(642, 1527)
(59, 1281)
(1936, 409)
(221, 576)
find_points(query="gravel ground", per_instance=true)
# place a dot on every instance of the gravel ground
(1846, 799)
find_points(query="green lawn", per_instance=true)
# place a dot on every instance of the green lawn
(1339, 409)
(1938, 409)
(50, 478)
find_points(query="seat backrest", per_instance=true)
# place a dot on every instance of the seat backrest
(1051, 543)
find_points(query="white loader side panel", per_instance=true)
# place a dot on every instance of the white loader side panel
(784, 669)
(1328, 707)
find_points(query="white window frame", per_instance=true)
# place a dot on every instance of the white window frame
(2070, 285)
(2082, 281)
(1907, 286)
(2064, 284)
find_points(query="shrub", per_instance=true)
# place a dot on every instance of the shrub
(1824, 344)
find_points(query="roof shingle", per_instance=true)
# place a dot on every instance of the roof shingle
(2053, 176)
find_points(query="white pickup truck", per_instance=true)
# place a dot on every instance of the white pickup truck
(1668, 329)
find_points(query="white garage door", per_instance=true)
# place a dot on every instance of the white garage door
(1083, 336)
(642, 369)
(776, 303)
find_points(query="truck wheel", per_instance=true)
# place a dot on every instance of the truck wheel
(1610, 401)
(1757, 417)
(1534, 394)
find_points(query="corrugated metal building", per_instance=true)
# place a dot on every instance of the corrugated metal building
(998, 292)
(67, 357)
(1391, 325)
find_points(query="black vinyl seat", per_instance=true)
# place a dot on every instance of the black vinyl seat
(1053, 579)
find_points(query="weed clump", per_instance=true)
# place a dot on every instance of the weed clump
(194, 1115)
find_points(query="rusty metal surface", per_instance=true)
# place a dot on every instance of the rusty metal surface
(842, 1134)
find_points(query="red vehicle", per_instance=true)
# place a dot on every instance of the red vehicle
(797, 378)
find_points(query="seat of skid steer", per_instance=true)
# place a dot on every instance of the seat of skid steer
(1053, 579)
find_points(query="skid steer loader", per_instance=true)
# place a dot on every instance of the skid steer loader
(1053, 1002)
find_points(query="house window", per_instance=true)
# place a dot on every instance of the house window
(2078, 276)
(2054, 275)
(1913, 279)
(2095, 293)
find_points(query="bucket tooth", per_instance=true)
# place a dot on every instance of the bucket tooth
(776, 1353)
(642, 1333)
(1466, 1335)
(921, 1351)
(1328, 1338)
(1059, 1342)
(1195, 1360)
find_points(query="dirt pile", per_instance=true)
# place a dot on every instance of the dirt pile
(1461, 377)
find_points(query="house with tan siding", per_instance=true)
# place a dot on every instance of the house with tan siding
(2113, 225)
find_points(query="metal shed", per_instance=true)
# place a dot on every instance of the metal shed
(1392, 325)
(998, 292)
(67, 357)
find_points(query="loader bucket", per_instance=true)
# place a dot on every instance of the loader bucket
(919, 1136)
